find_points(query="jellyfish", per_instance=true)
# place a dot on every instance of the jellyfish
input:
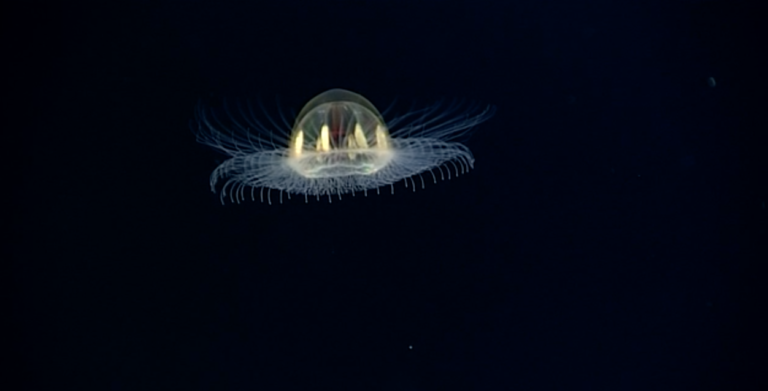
(338, 144)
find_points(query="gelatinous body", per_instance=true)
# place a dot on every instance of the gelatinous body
(338, 144)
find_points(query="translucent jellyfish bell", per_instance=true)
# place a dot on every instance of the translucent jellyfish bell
(339, 134)
(338, 144)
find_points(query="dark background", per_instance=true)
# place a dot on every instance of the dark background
(608, 238)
